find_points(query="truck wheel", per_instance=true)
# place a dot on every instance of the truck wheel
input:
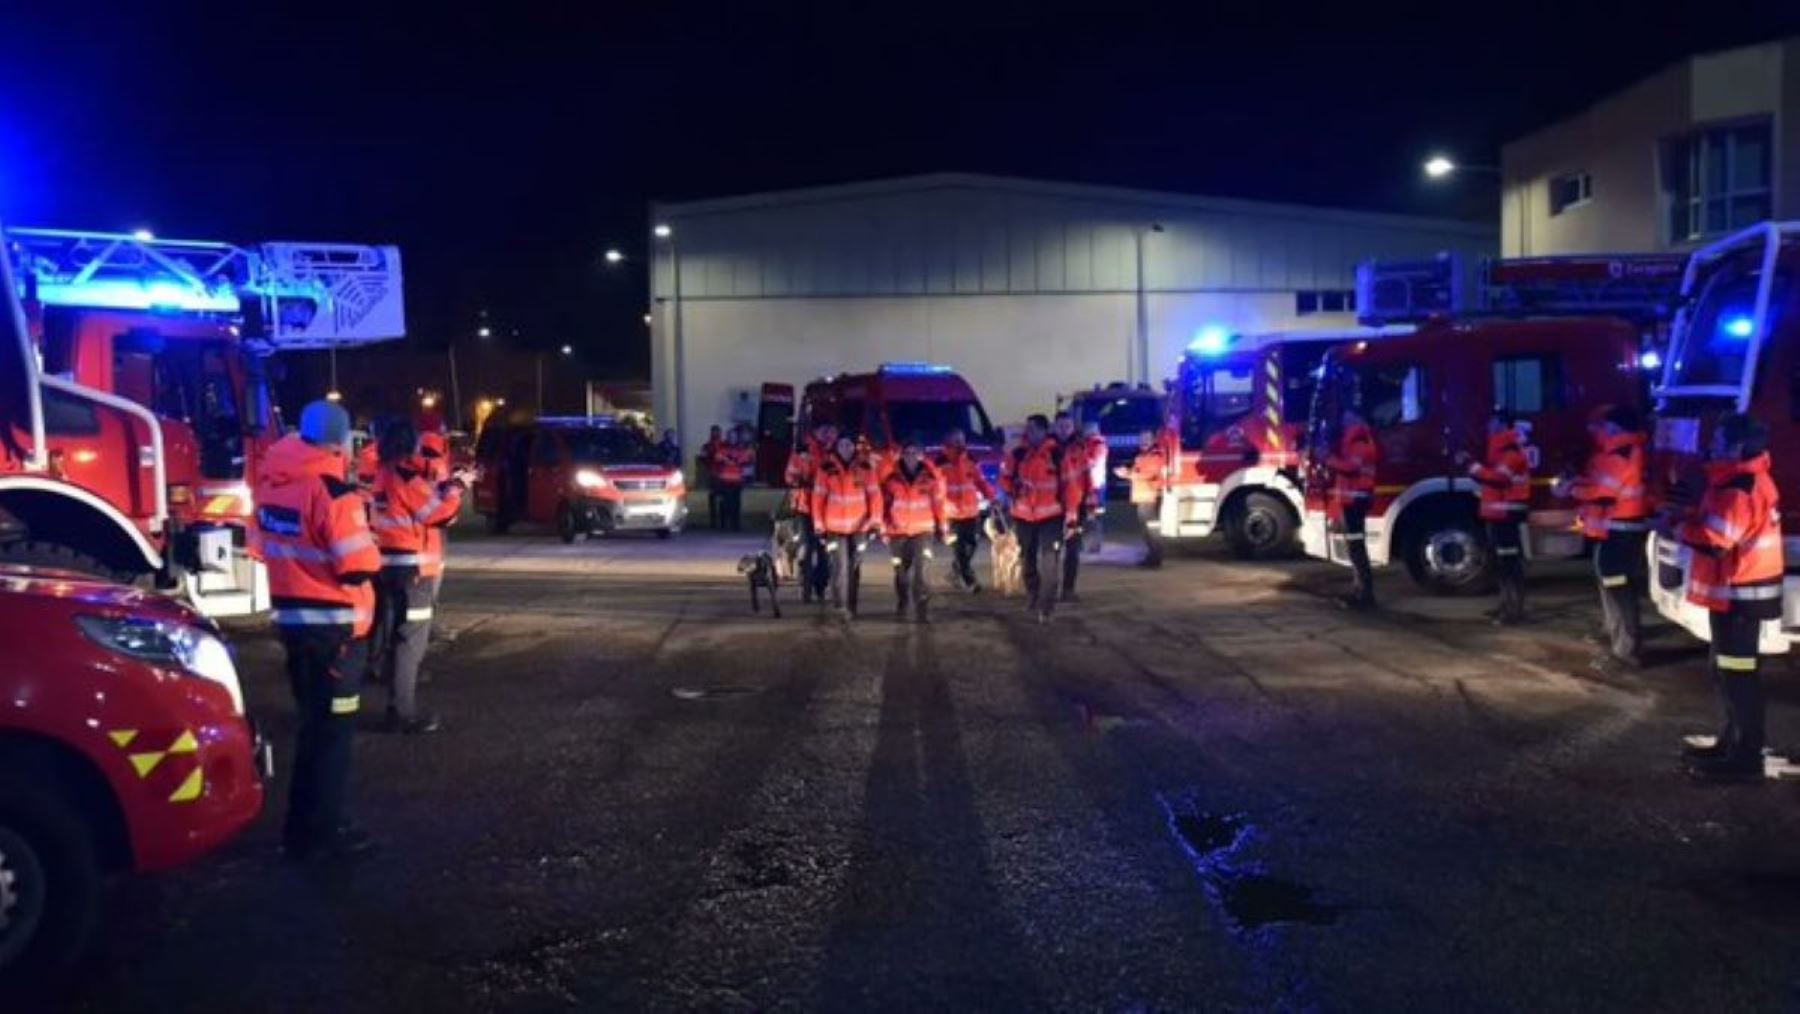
(565, 523)
(1449, 557)
(1263, 528)
(34, 553)
(49, 882)
(665, 533)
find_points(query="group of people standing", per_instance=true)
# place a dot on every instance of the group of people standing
(1731, 531)
(727, 464)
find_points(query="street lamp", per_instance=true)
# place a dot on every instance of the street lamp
(662, 231)
(484, 332)
(613, 256)
(142, 235)
(568, 350)
(1438, 166)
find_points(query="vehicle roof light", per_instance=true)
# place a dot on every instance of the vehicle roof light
(1737, 326)
(920, 369)
(1210, 340)
(1650, 360)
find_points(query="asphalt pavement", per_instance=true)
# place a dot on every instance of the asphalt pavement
(1203, 787)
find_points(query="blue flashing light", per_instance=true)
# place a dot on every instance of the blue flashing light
(119, 294)
(1737, 326)
(916, 369)
(1210, 340)
(1650, 360)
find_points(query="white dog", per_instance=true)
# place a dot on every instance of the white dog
(1009, 573)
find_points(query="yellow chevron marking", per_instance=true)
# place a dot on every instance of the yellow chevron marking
(146, 762)
(185, 744)
(122, 737)
(189, 789)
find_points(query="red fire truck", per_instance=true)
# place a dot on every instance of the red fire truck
(1240, 405)
(139, 412)
(1735, 347)
(900, 401)
(1548, 339)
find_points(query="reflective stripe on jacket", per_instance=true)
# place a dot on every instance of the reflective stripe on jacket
(915, 504)
(964, 485)
(845, 499)
(732, 464)
(1149, 475)
(1034, 478)
(1352, 470)
(1504, 478)
(1609, 496)
(311, 529)
(408, 512)
(1736, 537)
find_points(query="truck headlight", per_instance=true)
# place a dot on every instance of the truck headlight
(587, 478)
(191, 649)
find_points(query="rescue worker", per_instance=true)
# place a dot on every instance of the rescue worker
(368, 460)
(913, 501)
(668, 450)
(964, 489)
(733, 464)
(1078, 486)
(1149, 476)
(1094, 442)
(1503, 479)
(707, 471)
(409, 506)
(434, 452)
(1352, 468)
(1034, 479)
(1736, 572)
(802, 469)
(1612, 510)
(846, 505)
(311, 529)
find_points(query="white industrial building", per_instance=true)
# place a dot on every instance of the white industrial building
(1027, 288)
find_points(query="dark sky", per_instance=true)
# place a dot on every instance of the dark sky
(505, 147)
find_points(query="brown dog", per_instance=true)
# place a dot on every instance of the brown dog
(1009, 573)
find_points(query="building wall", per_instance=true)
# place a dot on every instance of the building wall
(1618, 142)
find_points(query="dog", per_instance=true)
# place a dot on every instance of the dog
(1009, 571)
(786, 546)
(759, 571)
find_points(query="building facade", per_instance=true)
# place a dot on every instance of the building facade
(1702, 148)
(1028, 289)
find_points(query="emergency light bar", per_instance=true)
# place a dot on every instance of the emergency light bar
(578, 420)
(915, 369)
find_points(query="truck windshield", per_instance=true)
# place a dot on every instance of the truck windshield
(1215, 396)
(1384, 394)
(1126, 416)
(930, 420)
(613, 445)
(195, 384)
(1716, 345)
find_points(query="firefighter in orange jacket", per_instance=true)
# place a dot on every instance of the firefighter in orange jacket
(1612, 510)
(1736, 571)
(1044, 509)
(434, 456)
(708, 473)
(846, 506)
(733, 464)
(964, 490)
(312, 531)
(1503, 480)
(408, 507)
(1149, 475)
(802, 469)
(1352, 468)
(1079, 487)
(913, 498)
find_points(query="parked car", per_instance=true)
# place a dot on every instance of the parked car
(582, 475)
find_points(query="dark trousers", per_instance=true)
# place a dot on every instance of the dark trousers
(731, 508)
(1150, 516)
(846, 569)
(909, 571)
(1623, 576)
(404, 631)
(968, 540)
(815, 565)
(1509, 567)
(1356, 539)
(1737, 676)
(1039, 540)
(324, 667)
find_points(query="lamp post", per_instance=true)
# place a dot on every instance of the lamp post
(1138, 364)
(666, 233)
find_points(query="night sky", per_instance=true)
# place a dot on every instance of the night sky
(504, 150)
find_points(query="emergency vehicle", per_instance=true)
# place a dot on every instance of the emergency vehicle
(141, 404)
(900, 401)
(1735, 348)
(1123, 412)
(1545, 338)
(1239, 406)
(582, 475)
(774, 433)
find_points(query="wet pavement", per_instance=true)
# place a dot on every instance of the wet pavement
(1202, 787)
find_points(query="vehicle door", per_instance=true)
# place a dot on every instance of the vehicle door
(547, 477)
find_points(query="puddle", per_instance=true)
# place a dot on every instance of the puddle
(1249, 898)
(1254, 900)
(712, 693)
(1206, 833)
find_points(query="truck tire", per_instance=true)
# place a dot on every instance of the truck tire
(1449, 556)
(565, 523)
(1262, 527)
(49, 882)
(36, 553)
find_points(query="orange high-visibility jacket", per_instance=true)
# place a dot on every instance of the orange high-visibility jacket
(1504, 477)
(845, 498)
(1610, 494)
(964, 485)
(368, 462)
(1078, 477)
(434, 450)
(312, 530)
(1149, 474)
(1736, 537)
(915, 504)
(1097, 453)
(802, 468)
(407, 509)
(1352, 470)
(732, 464)
(1033, 478)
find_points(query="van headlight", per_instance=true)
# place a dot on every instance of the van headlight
(588, 478)
(190, 649)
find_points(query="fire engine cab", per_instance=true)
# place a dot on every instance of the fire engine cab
(136, 419)
(1547, 339)
(1735, 348)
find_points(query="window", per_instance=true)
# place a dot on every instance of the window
(1391, 395)
(1306, 301)
(1219, 397)
(1301, 364)
(1528, 384)
(1718, 179)
(606, 445)
(1570, 191)
(1311, 301)
(65, 415)
(930, 420)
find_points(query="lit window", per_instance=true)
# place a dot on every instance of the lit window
(1718, 179)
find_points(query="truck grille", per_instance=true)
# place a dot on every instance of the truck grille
(639, 485)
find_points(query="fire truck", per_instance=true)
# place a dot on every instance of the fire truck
(1123, 412)
(1735, 348)
(900, 401)
(137, 416)
(1548, 339)
(1239, 406)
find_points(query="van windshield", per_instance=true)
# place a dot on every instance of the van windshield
(930, 420)
(1128, 415)
(609, 446)
(1214, 396)
(1716, 345)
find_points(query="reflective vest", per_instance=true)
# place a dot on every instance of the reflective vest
(1078, 482)
(732, 464)
(408, 513)
(1736, 538)
(1504, 477)
(1352, 470)
(1149, 475)
(964, 485)
(311, 529)
(1034, 479)
(915, 504)
(845, 500)
(801, 469)
(1609, 496)
(1096, 458)
(434, 451)
(368, 462)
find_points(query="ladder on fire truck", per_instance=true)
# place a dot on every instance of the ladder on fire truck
(285, 296)
(1642, 287)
